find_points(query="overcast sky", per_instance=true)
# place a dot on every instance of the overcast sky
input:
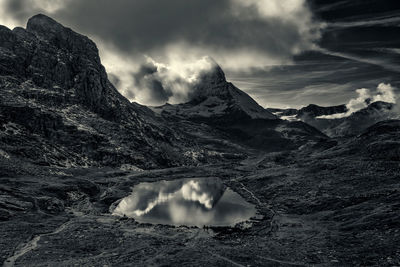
(263, 45)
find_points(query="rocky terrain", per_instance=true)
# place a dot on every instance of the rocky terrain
(72, 147)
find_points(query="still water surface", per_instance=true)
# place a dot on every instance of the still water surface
(191, 202)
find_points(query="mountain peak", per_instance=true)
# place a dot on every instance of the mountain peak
(56, 34)
(41, 24)
(214, 76)
(53, 56)
(211, 83)
(214, 97)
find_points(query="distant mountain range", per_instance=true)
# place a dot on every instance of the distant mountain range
(351, 124)
(311, 110)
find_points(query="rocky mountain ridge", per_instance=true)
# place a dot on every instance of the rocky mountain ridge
(349, 125)
(312, 110)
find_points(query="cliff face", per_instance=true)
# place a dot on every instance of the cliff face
(53, 56)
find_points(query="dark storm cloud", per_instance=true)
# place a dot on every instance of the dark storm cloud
(115, 80)
(17, 8)
(139, 26)
(146, 79)
(146, 24)
(145, 70)
(157, 94)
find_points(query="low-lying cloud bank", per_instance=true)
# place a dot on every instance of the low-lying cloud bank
(155, 83)
(158, 83)
(384, 92)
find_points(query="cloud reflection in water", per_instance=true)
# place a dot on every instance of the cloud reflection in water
(191, 202)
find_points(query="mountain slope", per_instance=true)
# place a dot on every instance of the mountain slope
(59, 108)
(380, 141)
(224, 107)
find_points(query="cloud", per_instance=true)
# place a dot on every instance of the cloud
(16, 12)
(237, 34)
(145, 79)
(367, 23)
(381, 62)
(362, 101)
(384, 92)
(156, 83)
(272, 29)
(195, 191)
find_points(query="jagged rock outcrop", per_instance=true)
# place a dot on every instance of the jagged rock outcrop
(54, 56)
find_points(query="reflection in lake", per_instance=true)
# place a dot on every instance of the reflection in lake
(191, 202)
